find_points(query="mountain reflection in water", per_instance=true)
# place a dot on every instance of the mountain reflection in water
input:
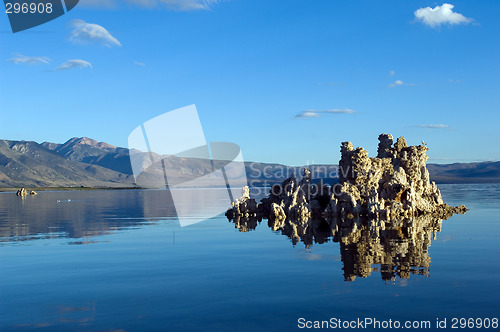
(80, 214)
(396, 247)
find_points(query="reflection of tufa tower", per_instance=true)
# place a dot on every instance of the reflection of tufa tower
(395, 249)
(400, 251)
(245, 224)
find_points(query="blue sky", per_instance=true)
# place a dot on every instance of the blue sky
(286, 80)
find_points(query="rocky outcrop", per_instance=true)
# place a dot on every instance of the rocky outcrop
(394, 184)
(22, 192)
(243, 207)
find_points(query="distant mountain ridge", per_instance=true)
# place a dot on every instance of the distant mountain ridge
(483, 172)
(31, 164)
(82, 161)
(89, 151)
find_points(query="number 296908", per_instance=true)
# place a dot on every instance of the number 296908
(31, 8)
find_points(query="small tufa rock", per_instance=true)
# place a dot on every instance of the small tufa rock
(243, 207)
(22, 192)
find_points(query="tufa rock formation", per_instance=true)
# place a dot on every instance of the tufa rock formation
(22, 192)
(243, 207)
(384, 211)
(395, 184)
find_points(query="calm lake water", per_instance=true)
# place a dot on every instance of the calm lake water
(118, 260)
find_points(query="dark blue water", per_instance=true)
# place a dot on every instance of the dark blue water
(118, 260)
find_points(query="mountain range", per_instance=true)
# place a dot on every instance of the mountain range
(84, 162)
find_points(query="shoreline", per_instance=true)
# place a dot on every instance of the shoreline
(269, 185)
(39, 189)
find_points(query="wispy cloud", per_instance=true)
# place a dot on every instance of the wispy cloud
(434, 126)
(29, 60)
(439, 15)
(396, 83)
(399, 83)
(337, 111)
(332, 83)
(316, 114)
(177, 5)
(392, 73)
(307, 114)
(140, 64)
(88, 33)
(74, 64)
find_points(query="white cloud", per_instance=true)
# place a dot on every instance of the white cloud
(87, 33)
(316, 114)
(140, 64)
(332, 83)
(29, 60)
(439, 15)
(392, 73)
(74, 64)
(396, 83)
(434, 126)
(336, 110)
(307, 114)
(180, 5)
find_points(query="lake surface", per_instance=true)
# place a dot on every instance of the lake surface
(119, 261)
